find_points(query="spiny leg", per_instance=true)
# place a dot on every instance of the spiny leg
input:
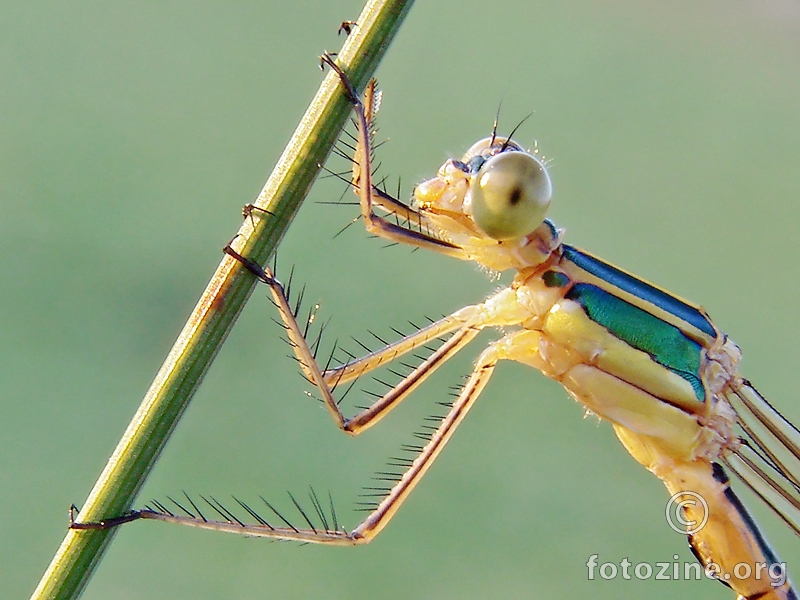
(385, 510)
(358, 367)
(369, 195)
(466, 323)
(362, 160)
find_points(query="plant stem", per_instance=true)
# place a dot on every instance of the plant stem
(220, 305)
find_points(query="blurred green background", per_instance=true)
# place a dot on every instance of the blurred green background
(131, 135)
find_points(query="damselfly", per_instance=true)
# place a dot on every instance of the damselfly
(653, 365)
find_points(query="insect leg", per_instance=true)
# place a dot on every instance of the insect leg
(385, 510)
(370, 196)
(505, 348)
(462, 321)
(358, 367)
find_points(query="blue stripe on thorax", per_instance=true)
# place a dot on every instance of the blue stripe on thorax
(639, 288)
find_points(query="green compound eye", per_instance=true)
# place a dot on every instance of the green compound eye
(510, 195)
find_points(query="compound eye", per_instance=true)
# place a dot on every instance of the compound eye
(510, 195)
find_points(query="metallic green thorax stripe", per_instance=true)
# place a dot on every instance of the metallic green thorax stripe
(640, 289)
(665, 343)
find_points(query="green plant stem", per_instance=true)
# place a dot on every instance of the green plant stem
(220, 305)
